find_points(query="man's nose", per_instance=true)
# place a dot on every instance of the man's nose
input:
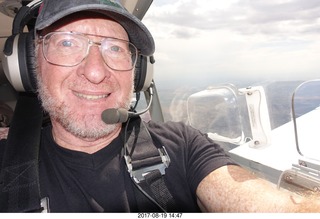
(95, 69)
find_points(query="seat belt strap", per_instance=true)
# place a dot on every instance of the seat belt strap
(147, 163)
(19, 177)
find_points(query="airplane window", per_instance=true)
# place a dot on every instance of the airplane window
(306, 117)
(216, 111)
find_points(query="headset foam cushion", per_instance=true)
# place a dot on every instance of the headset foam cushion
(26, 54)
(140, 73)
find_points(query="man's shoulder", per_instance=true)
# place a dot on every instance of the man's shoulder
(3, 132)
(171, 125)
(3, 140)
(172, 128)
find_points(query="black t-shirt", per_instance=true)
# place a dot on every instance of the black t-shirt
(79, 182)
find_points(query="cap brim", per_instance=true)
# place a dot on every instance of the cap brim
(138, 34)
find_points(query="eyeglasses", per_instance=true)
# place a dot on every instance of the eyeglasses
(70, 49)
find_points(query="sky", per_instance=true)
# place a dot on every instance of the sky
(212, 42)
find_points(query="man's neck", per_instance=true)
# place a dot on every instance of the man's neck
(67, 140)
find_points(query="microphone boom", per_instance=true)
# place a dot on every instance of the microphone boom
(121, 115)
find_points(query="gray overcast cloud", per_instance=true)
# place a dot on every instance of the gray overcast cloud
(227, 41)
(244, 16)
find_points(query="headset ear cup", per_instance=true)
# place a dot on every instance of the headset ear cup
(10, 62)
(18, 57)
(143, 74)
(22, 76)
(137, 75)
(16, 62)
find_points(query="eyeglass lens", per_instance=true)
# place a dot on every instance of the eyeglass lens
(70, 49)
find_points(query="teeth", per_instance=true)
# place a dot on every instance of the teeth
(91, 97)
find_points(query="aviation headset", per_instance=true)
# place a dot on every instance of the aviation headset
(19, 55)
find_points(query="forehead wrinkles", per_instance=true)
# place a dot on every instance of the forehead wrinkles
(100, 27)
(90, 23)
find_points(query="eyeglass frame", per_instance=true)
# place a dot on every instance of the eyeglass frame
(41, 40)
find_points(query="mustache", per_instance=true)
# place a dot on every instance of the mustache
(106, 86)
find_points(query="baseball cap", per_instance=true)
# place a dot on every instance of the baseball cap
(53, 10)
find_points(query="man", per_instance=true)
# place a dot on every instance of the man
(85, 53)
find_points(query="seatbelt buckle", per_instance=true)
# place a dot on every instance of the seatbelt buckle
(138, 174)
(44, 203)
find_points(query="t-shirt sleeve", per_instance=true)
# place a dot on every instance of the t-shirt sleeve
(2, 149)
(204, 156)
(192, 152)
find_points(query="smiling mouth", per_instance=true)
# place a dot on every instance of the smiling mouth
(91, 97)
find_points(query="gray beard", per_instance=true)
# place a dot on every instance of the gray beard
(88, 126)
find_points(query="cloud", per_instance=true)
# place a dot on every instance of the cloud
(228, 41)
(243, 16)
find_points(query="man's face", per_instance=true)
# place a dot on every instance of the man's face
(76, 96)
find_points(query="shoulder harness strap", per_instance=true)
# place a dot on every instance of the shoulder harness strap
(147, 163)
(19, 178)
